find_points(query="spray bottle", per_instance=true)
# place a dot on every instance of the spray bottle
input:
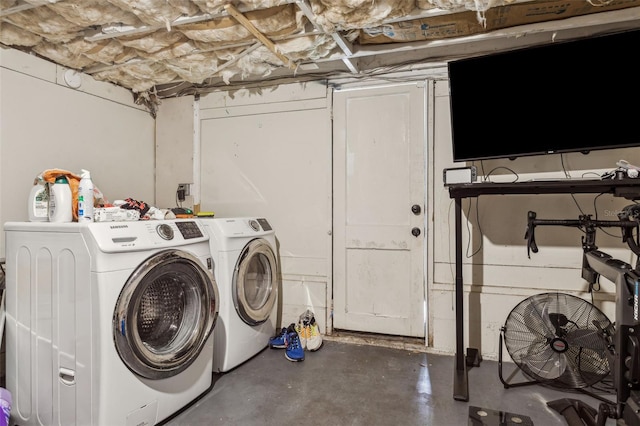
(85, 197)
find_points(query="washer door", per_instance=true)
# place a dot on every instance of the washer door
(254, 286)
(165, 314)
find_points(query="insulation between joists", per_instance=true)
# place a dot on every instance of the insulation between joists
(144, 43)
(193, 52)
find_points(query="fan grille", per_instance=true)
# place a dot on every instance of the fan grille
(552, 338)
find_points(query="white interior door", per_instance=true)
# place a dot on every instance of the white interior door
(379, 204)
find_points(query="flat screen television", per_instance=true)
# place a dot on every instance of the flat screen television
(571, 96)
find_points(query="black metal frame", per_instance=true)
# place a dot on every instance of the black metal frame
(627, 188)
(623, 339)
(506, 384)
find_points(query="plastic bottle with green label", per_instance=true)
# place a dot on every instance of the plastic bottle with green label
(39, 201)
(60, 201)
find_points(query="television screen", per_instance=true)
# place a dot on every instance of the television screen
(569, 96)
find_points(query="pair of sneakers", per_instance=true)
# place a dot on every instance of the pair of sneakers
(309, 332)
(289, 340)
(295, 338)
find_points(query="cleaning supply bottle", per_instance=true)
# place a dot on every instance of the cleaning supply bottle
(39, 201)
(60, 201)
(85, 197)
(5, 406)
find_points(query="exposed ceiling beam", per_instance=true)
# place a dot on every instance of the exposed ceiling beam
(343, 44)
(118, 31)
(617, 20)
(16, 9)
(242, 20)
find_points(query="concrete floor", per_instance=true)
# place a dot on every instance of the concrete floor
(359, 384)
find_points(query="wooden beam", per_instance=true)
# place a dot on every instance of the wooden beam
(242, 20)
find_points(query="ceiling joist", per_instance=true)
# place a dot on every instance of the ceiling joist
(158, 45)
(242, 20)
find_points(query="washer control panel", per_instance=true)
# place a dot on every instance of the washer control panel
(189, 229)
(141, 235)
(165, 231)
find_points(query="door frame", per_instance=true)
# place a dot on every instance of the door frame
(427, 81)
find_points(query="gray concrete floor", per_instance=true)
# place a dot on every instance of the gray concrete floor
(357, 384)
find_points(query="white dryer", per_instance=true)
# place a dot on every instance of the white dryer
(107, 323)
(244, 251)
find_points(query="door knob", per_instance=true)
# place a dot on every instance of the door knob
(415, 232)
(416, 209)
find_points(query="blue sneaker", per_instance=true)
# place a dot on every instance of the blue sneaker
(294, 351)
(279, 341)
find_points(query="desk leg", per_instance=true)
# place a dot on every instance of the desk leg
(460, 376)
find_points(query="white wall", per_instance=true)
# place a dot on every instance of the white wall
(496, 278)
(45, 124)
(267, 153)
(500, 274)
(264, 153)
(174, 149)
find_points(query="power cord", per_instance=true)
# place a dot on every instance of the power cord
(180, 197)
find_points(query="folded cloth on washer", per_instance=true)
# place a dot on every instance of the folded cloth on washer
(140, 206)
(146, 211)
(50, 176)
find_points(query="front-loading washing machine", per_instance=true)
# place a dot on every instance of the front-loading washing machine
(108, 323)
(244, 251)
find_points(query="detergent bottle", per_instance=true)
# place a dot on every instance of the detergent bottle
(39, 201)
(85, 197)
(60, 201)
(5, 406)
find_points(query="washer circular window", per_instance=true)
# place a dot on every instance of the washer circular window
(164, 315)
(255, 280)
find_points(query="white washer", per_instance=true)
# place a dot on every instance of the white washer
(107, 323)
(246, 269)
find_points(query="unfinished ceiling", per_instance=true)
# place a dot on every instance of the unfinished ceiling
(168, 48)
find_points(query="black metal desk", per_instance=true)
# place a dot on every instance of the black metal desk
(627, 188)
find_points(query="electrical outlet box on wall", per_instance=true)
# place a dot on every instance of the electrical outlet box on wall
(186, 187)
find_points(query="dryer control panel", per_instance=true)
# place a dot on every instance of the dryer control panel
(240, 227)
(265, 225)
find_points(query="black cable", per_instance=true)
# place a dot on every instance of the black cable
(484, 177)
(591, 173)
(469, 230)
(502, 167)
(577, 205)
(564, 169)
(595, 209)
